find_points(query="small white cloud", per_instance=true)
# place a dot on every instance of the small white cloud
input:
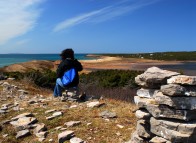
(17, 17)
(104, 14)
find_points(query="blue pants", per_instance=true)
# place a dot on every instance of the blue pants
(58, 88)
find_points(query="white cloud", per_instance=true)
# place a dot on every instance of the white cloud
(104, 14)
(17, 17)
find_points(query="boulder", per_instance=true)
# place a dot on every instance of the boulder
(178, 90)
(23, 122)
(66, 135)
(158, 140)
(154, 77)
(182, 79)
(188, 103)
(22, 115)
(164, 111)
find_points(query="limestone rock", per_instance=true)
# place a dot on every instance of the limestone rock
(142, 114)
(66, 135)
(188, 103)
(22, 115)
(183, 79)
(54, 115)
(94, 104)
(41, 134)
(22, 133)
(24, 121)
(50, 111)
(158, 140)
(154, 77)
(143, 129)
(178, 90)
(76, 140)
(173, 131)
(147, 93)
(143, 102)
(108, 114)
(40, 127)
(164, 111)
(72, 123)
(136, 139)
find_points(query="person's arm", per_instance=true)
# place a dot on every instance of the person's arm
(60, 70)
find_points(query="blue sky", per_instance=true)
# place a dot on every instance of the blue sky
(97, 26)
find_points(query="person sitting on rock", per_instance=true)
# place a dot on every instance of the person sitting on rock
(67, 62)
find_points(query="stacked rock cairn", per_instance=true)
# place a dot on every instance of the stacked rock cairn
(166, 107)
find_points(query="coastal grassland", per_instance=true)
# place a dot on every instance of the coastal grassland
(98, 131)
(114, 84)
(166, 56)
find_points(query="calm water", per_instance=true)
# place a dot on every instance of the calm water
(8, 59)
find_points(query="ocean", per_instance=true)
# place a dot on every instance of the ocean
(8, 59)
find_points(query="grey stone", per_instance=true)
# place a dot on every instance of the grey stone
(108, 114)
(154, 77)
(142, 114)
(40, 128)
(72, 123)
(173, 131)
(21, 91)
(188, 103)
(147, 93)
(41, 134)
(143, 102)
(66, 135)
(2, 111)
(136, 139)
(158, 140)
(143, 129)
(50, 111)
(183, 79)
(94, 104)
(54, 115)
(22, 115)
(178, 90)
(76, 140)
(22, 134)
(23, 122)
(164, 111)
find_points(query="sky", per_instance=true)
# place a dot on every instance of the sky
(97, 26)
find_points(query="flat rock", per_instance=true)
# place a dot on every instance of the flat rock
(154, 77)
(50, 111)
(143, 129)
(164, 111)
(147, 93)
(178, 90)
(22, 115)
(143, 102)
(54, 115)
(142, 114)
(40, 128)
(66, 135)
(22, 134)
(108, 114)
(188, 103)
(76, 140)
(23, 121)
(94, 104)
(41, 134)
(72, 123)
(158, 140)
(136, 139)
(183, 79)
(173, 131)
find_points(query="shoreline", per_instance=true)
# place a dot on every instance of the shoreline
(102, 63)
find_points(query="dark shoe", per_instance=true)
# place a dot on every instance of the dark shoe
(82, 96)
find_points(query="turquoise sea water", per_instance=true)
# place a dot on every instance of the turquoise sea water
(8, 59)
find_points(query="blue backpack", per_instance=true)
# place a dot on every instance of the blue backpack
(68, 76)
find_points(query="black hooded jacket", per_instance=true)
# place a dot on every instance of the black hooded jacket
(68, 64)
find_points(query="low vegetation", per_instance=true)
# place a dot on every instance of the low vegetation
(167, 56)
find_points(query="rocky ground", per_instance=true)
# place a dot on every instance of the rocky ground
(29, 114)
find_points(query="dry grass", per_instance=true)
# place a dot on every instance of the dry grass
(99, 131)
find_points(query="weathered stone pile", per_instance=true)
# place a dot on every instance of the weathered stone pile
(167, 107)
